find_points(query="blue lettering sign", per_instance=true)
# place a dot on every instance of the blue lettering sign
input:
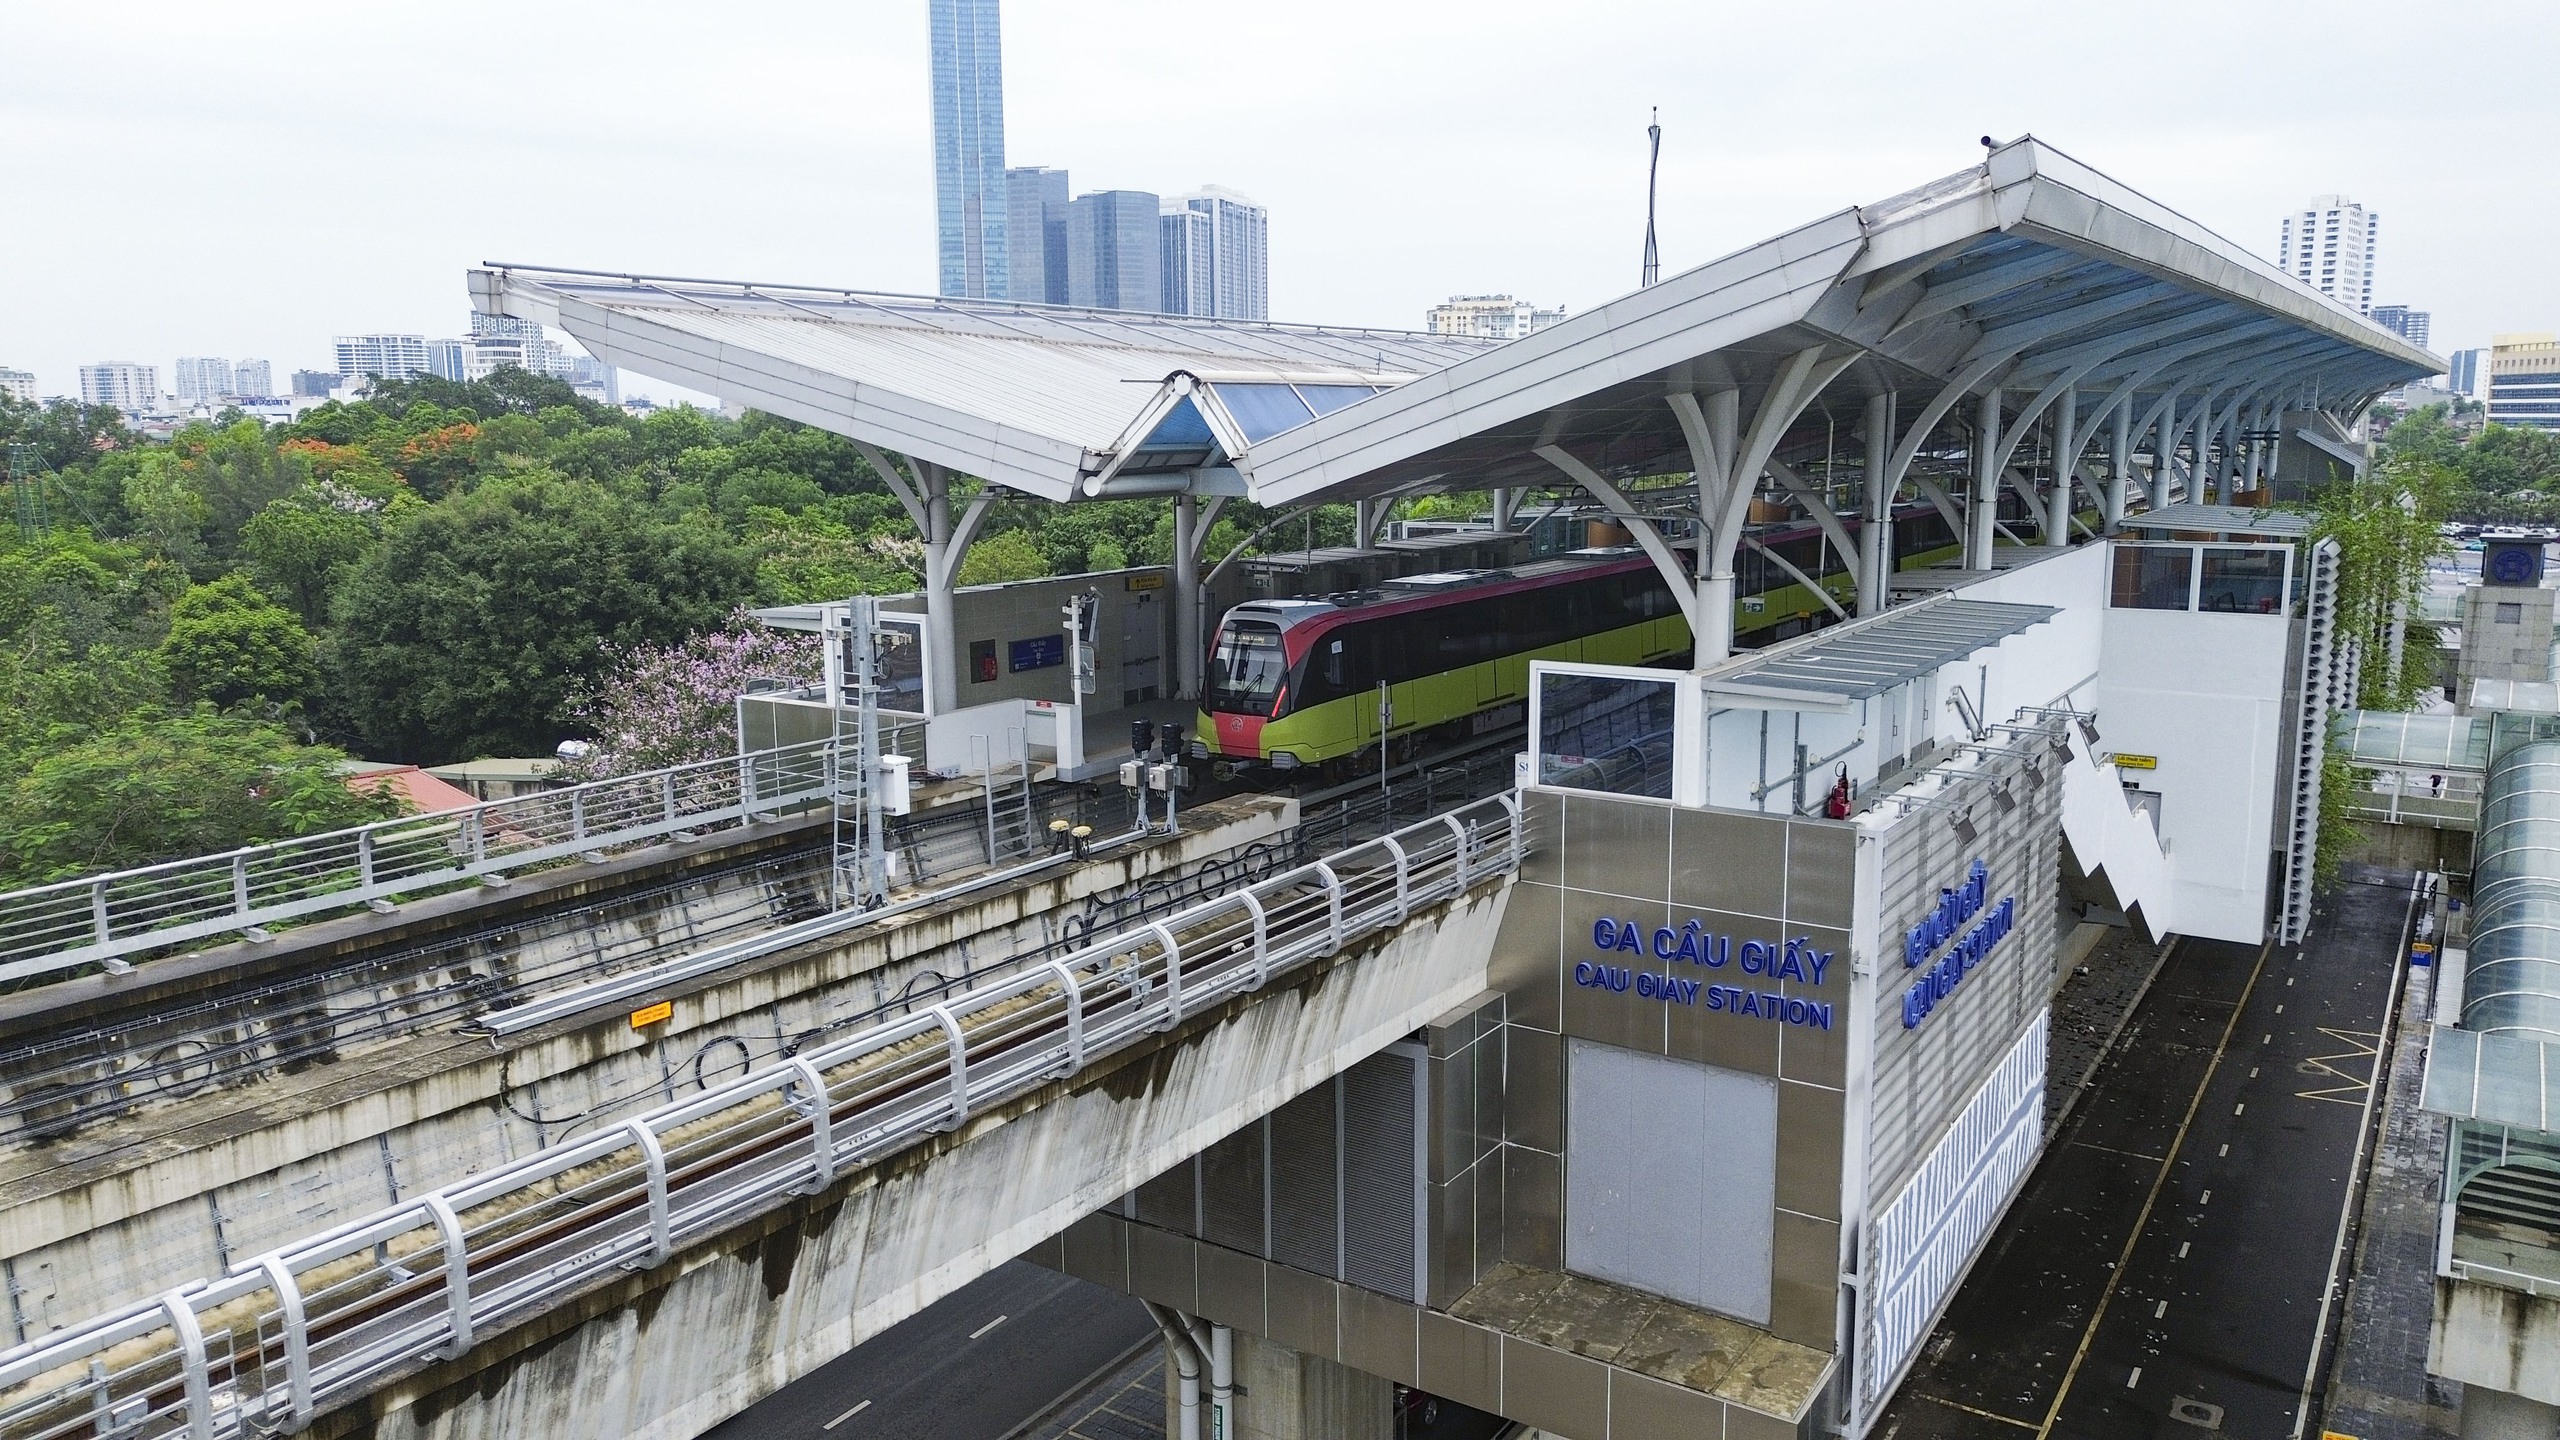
(1693, 944)
(1955, 906)
(1971, 948)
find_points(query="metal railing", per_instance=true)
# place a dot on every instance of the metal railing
(287, 1335)
(72, 923)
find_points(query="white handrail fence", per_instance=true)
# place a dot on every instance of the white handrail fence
(46, 929)
(295, 1332)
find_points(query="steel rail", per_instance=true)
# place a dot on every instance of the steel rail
(292, 1333)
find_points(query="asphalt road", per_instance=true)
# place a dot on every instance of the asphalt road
(2168, 1259)
(974, 1366)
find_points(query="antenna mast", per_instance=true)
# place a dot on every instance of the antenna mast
(1653, 169)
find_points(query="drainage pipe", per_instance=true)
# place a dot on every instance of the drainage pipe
(1222, 1382)
(1186, 1364)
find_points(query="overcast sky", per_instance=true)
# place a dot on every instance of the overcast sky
(185, 179)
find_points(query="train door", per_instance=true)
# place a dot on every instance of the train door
(1141, 647)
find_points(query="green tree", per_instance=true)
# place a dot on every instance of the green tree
(2386, 529)
(153, 788)
(476, 622)
(1008, 555)
(168, 514)
(301, 544)
(231, 645)
(235, 472)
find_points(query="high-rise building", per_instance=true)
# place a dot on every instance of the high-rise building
(316, 383)
(2400, 320)
(253, 380)
(1187, 243)
(1239, 253)
(969, 196)
(1493, 317)
(485, 326)
(1036, 234)
(17, 384)
(2524, 381)
(2464, 377)
(389, 356)
(203, 379)
(446, 358)
(133, 389)
(2331, 246)
(1114, 250)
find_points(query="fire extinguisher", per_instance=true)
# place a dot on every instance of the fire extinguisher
(1837, 807)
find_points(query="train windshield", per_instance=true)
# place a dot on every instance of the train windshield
(1245, 669)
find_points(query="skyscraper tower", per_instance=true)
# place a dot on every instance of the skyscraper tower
(2331, 245)
(968, 149)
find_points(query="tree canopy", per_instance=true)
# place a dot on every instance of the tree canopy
(437, 571)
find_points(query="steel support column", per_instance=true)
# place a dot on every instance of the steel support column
(1366, 517)
(2119, 466)
(2066, 455)
(1187, 534)
(1982, 506)
(1875, 534)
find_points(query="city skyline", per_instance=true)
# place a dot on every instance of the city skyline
(2237, 139)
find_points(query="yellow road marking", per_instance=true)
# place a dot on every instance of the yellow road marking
(1969, 1410)
(2124, 1261)
(2367, 1046)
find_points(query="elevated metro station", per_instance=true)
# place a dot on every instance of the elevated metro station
(1673, 1091)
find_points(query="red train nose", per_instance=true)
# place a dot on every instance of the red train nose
(1240, 735)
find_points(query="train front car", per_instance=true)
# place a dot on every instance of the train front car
(1247, 686)
(1420, 662)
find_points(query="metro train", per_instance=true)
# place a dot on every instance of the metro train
(1294, 684)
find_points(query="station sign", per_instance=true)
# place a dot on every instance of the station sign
(1965, 926)
(1693, 948)
(1037, 653)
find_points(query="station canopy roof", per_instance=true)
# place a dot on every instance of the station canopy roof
(2239, 520)
(2029, 272)
(1869, 657)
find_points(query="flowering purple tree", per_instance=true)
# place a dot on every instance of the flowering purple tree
(662, 705)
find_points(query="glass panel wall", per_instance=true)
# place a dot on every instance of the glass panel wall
(2153, 577)
(1609, 733)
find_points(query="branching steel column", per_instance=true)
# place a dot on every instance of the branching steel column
(1801, 377)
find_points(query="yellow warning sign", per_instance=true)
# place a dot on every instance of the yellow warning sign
(643, 1019)
(2137, 762)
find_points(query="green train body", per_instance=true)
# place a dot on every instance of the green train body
(1295, 684)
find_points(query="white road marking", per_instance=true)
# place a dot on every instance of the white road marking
(2243, 1105)
(849, 1414)
(2279, 1009)
(2182, 1248)
(990, 1325)
(2133, 1379)
(2226, 1148)
(2208, 1198)
(2160, 1309)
